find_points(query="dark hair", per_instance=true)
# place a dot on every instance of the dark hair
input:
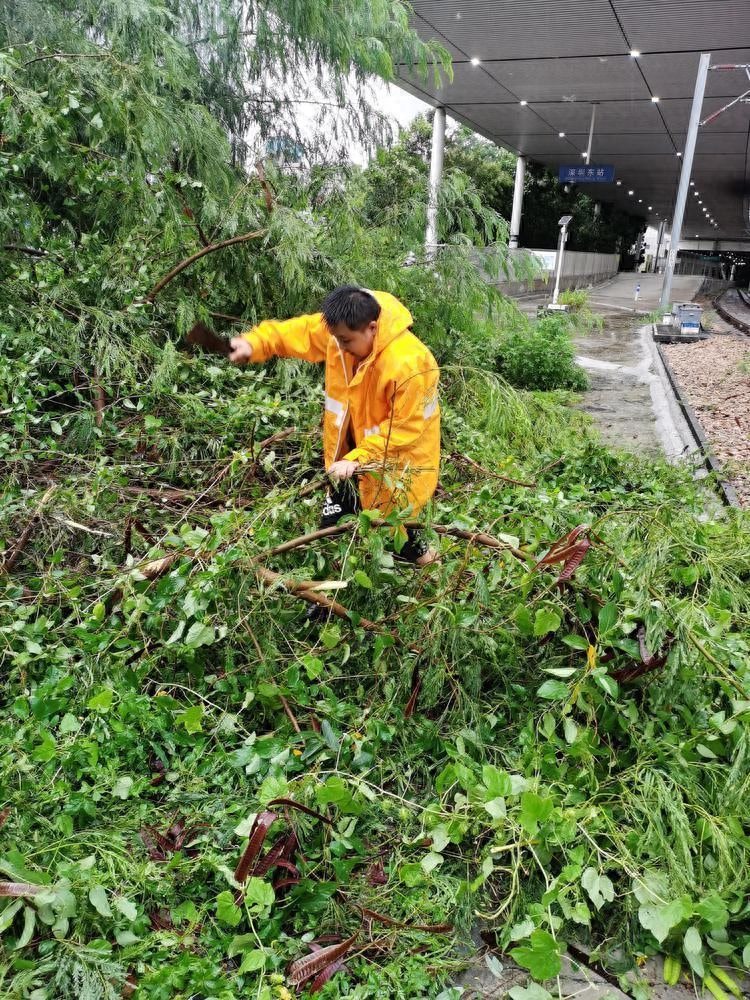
(350, 305)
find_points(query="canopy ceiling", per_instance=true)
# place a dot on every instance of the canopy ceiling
(560, 56)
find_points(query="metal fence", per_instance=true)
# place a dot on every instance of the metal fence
(580, 270)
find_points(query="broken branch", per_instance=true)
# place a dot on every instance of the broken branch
(160, 285)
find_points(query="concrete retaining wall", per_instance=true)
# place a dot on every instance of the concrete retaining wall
(579, 270)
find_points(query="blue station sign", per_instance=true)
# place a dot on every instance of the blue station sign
(587, 175)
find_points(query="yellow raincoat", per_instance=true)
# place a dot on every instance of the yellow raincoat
(388, 409)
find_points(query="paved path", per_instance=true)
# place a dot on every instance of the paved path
(629, 397)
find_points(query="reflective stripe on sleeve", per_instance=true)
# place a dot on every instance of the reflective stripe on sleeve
(430, 409)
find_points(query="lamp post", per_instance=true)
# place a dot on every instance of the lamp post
(563, 224)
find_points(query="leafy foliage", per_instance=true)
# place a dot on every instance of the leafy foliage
(541, 356)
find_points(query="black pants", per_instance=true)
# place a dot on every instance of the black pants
(343, 499)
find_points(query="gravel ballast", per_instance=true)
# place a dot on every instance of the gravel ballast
(714, 377)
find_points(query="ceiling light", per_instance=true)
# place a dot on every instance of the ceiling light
(523, 103)
(631, 192)
(634, 53)
(640, 201)
(651, 208)
(475, 61)
(700, 202)
(692, 183)
(561, 134)
(654, 100)
(678, 154)
(585, 155)
(619, 183)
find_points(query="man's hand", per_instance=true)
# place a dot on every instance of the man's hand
(242, 350)
(342, 469)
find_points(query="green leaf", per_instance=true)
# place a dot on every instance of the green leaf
(661, 919)
(713, 910)
(431, 861)
(535, 809)
(126, 907)
(191, 719)
(227, 910)
(55, 427)
(746, 956)
(496, 782)
(336, 792)
(598, 887)
(259, 894)
(122, 787)
(523, 620)
(546, 620)
(7, 915)
(692, 946)
(553, 691)
(200, 634)
(609, 684)
(563, 672)
(326, 731)
(69, 724)
(330, 636)
(411, 874)
(496, 808)
(101, 702)
(314, 666)
(607, 618)
(541, 956)
(98, 899)
(576, 642)
(363, 579)
(125, 938)
(531, 992)
(253, 961)
(176, 635)
(29, 923)
(571, 731)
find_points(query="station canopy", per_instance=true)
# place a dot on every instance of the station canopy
(526, 73)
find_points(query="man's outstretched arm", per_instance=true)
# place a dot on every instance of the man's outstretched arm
(303, 337)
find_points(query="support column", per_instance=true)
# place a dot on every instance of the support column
(436, 176)
(684, 187)
(515, 217)
(659, 238)
(591, 135)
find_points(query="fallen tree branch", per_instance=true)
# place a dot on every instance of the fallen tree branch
(267, 192)
(303, 589)
(464, 459)
(473, 537)
(179, 268)
(30, 251)
(228, 317)
(20, 545)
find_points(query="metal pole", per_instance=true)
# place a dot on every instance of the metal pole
(684, 187)
(558, 264)
(591, 133)
(436, 176)
(515, 216)
(659, 238)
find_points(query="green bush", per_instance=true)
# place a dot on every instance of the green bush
(541, 356)
(574, 299)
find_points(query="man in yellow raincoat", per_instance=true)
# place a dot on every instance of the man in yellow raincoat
(382, 417)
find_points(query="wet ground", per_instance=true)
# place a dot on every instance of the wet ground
(628, 396)
(619, 394)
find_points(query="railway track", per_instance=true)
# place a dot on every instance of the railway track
(734, 307)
